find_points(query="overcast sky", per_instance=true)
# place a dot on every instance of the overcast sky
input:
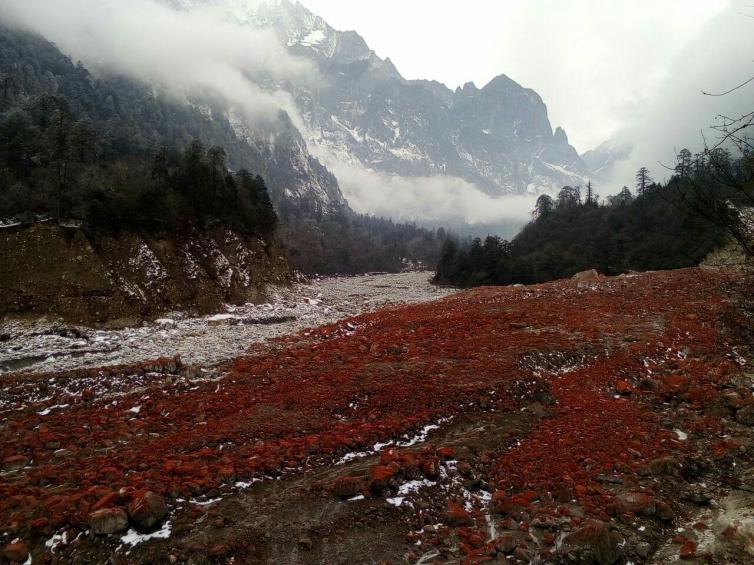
(595, 63)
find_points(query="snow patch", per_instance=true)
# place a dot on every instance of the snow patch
(133, 538)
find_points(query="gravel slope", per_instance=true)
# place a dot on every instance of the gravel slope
(46, 345)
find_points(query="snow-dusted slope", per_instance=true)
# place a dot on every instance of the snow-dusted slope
(603, 158)
(363, 111)
(497, 137)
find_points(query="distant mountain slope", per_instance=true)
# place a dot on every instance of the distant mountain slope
(603, 158)
(320, 232)
(498, 137)
(138, 116)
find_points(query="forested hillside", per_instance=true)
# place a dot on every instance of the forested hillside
(111, 156)
(662, 226)
(54, 165)
(115, 154)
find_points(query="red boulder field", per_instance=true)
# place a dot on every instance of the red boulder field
(617, 389)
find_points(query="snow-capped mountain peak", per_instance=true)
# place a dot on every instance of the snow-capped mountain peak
(363, 111)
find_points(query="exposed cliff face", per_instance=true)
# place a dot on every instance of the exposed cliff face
(48, 269)
(498, 137)
(295, 177)
(362, 111)
(602, 159)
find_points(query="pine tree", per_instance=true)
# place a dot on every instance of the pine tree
(591, 197)
(643, 180)
(544, 206)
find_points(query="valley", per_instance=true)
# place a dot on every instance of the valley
(605, 419)
(303, 282)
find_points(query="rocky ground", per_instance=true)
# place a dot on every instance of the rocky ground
(44, 344)
(588, 421)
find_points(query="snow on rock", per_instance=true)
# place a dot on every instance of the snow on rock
(42, 345)
(146, 261)
(133, 538)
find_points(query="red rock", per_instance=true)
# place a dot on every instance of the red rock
(388, 456)
(147, 510)
(347, 487)
(15, 462)
(380, 477)
(507, 505)
(623, 388)
(431, 468)
(108, 521)
(217, 550)
(108, 499)
(39, 524)
(688, 549)
(16, 552)
(675, 382)
(227, 474)
(445, 452)
(457, 516)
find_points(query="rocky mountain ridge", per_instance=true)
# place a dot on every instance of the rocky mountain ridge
(365, 112)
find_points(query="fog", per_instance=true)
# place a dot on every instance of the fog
(182, 52)
(426, 199)
(679, 114)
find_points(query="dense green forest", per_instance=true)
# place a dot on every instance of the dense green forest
(53, 165)
(662, 226)
(111, 154)
(353, 243)
(115, 154)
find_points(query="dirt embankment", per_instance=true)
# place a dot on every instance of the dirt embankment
(53, 270)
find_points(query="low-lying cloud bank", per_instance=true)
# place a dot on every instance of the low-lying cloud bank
(427, 199)
(679, 115)
(201, 50)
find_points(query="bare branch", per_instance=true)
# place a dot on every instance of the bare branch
(728, 91)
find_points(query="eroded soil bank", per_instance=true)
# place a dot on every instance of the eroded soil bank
(605, 421)
(121, 279)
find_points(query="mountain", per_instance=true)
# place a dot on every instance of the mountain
(363, 111)
(603, 158)
(296, 177)
(140, 116)
(132, 119)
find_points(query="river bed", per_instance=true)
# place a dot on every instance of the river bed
(45, 344)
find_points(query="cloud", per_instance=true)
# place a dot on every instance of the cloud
(592, 61)
(183, 52)
(427, 199)
(679, 115)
